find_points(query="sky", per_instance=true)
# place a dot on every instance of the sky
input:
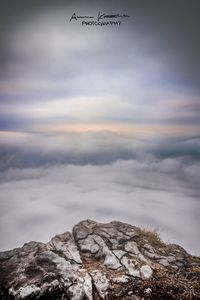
(99, 122)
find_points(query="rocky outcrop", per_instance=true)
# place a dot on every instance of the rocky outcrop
(99, 261)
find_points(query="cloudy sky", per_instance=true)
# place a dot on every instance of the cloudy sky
(99, 122)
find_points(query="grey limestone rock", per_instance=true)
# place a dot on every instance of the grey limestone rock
(96, 261)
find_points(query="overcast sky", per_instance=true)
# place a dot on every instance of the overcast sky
(113, 109)
(57, 73)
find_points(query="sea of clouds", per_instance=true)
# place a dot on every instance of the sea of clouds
(49, 182)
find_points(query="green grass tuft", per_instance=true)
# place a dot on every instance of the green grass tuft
(195, 259)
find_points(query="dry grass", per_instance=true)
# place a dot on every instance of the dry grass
(164, 285)
(167, 286)
(152, 236)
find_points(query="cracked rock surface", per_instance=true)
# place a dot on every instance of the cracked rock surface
(95, 261)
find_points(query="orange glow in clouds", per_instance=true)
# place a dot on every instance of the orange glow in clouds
(133, 129)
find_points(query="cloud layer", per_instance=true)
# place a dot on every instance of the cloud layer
(143, 183)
